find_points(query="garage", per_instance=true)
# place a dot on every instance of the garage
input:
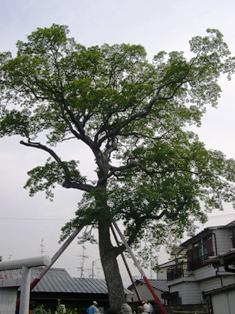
(223, 301)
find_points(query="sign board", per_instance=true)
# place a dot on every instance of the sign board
(12, 278)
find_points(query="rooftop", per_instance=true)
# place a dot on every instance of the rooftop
(157, 284)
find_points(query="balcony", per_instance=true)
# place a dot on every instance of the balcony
(196, 261)
(175, 272)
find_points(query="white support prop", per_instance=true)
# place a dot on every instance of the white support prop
(25, 290)
(27, 262)
(25, 265)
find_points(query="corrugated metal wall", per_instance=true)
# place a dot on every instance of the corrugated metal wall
(224, 303)
(8, 300)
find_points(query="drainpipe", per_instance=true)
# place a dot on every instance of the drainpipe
(214, 236)
(217, 267)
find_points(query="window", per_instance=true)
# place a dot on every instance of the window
(207, 246)
(175, 271)
(200, 252)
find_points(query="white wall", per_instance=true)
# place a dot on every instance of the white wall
(204, 272)
(223, 241)
(224, 302)
(189, 292)
(210, 284)
(217, 282)
(144, 293)
(228, 280)
(8, 300)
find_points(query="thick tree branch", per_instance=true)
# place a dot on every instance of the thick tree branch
(67, 183)
(114, 131)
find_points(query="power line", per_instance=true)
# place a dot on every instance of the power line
(32, 219)
(210, 215)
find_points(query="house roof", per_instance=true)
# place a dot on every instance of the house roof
(231, 224)
(88, 285)
(58, 280)
(167, 264)
(55, 280)
(206, 231)
(157, 284)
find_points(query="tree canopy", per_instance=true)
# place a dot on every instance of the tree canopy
(153, 173)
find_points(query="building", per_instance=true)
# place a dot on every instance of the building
(58, 286)
(159, 286)
(203, 273)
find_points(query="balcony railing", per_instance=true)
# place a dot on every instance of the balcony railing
(196, 261)
(176, 271)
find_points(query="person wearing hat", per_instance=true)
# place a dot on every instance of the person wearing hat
(93, 309)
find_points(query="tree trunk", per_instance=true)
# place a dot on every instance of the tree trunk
(110, 268)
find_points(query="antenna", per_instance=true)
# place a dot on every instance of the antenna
(83, 256)
(42, 251)
(93, 268)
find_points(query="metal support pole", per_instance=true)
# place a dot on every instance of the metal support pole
(25, 290)
(137, 264)
(55, 257)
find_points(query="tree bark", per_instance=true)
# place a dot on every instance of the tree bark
(110, 268)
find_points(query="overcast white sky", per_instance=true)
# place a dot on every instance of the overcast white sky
(157, 25)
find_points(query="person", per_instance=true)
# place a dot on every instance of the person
(93, 309)
(151, 309)
(146, 307)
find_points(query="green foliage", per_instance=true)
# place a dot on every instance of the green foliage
(41, 310)
(134, 116)
(44, 178)
(59, 310)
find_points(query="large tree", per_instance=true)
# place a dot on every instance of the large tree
(152, 173)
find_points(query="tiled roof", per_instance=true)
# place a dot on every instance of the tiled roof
(58, 280)
(157, 284)
(88, 285)
(205, 232)
(55, 280)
